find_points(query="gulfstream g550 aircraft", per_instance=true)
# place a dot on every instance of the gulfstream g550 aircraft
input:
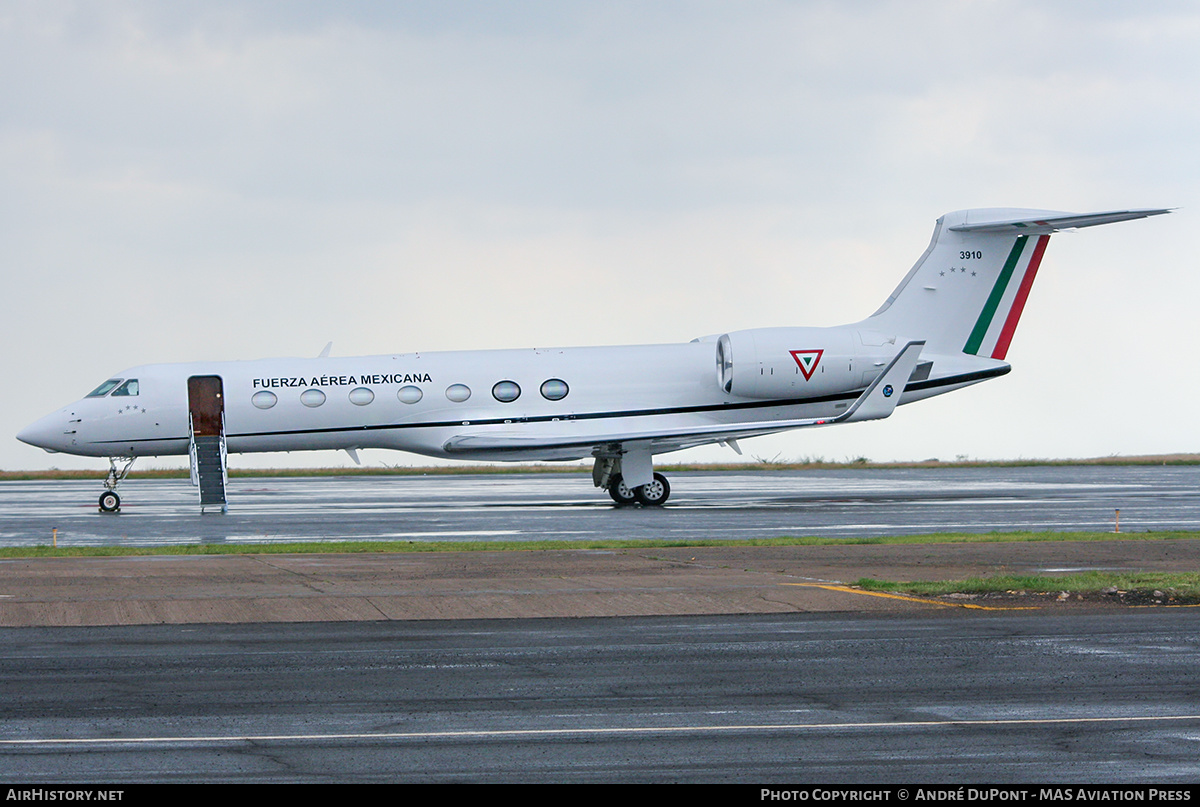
(947, 325)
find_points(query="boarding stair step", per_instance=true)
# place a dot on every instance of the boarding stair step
(210, 472)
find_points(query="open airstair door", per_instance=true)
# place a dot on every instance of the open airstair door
(206, 412)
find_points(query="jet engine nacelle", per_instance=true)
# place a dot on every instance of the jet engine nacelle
(800, 362)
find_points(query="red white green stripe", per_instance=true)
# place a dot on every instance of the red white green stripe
(993, 331)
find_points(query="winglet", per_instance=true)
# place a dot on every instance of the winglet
(880, 399)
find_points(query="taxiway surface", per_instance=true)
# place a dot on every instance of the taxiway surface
(764, 699)
(710, 504)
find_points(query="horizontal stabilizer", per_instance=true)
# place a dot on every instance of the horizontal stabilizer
(1051, 222)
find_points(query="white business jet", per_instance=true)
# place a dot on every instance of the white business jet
(947, 325)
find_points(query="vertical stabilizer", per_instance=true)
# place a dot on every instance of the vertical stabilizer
(967, 292)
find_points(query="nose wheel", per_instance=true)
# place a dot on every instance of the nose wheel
(110, 502)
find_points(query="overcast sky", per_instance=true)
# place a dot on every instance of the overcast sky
(243, 180)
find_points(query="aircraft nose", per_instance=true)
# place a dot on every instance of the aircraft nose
(46, 433)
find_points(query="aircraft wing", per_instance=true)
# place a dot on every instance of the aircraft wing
(877, 401)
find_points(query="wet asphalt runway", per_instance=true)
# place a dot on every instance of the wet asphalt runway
(953, 697)
(712, 504)
(819, 699)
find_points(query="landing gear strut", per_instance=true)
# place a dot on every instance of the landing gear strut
(118, 469)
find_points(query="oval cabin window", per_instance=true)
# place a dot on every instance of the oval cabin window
(506, 391)
(555, 389)
(264, 400)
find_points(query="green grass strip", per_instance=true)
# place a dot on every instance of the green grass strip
(351, 547)
(1181, 586)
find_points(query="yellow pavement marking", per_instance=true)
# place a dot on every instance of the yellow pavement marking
(848, 590)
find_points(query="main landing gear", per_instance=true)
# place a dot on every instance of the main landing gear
(651, 495)
(606, 474)
(118, 469)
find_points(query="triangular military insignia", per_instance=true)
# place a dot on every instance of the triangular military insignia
(807, 361)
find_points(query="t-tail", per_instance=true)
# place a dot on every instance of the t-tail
(965, 295)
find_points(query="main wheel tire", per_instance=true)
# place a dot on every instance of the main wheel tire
(655, 493)
(620, 492)
(110, 502)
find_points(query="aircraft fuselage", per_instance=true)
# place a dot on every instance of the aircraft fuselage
(415, 401)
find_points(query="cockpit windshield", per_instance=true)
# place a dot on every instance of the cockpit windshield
(104, 389)
(130, 387)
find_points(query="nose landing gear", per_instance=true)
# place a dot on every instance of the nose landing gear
(118, 469)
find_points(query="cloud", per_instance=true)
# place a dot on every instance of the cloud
(449, 175)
